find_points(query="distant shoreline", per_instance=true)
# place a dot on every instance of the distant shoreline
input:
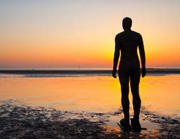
(83, 71)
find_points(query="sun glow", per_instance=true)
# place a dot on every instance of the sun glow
(81, 34)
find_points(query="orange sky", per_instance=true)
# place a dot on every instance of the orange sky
(73, 34)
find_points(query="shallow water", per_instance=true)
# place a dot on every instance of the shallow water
(160, 93)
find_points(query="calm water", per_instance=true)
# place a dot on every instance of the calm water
(159, 93)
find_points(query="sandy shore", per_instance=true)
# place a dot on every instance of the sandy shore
(21, 121)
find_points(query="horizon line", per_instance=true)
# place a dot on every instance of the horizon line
(83, 71)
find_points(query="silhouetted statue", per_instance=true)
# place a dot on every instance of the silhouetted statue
(126, 44)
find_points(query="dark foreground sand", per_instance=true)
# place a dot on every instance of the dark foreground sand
(18, 121)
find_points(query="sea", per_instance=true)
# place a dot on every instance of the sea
(160, 92)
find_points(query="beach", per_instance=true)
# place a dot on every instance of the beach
(85, 106)
(60, 63)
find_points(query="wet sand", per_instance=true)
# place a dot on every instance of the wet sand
(21, 121)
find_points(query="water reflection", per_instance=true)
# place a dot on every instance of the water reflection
(91, 93)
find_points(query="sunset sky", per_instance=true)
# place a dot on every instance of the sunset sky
(80, 33)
